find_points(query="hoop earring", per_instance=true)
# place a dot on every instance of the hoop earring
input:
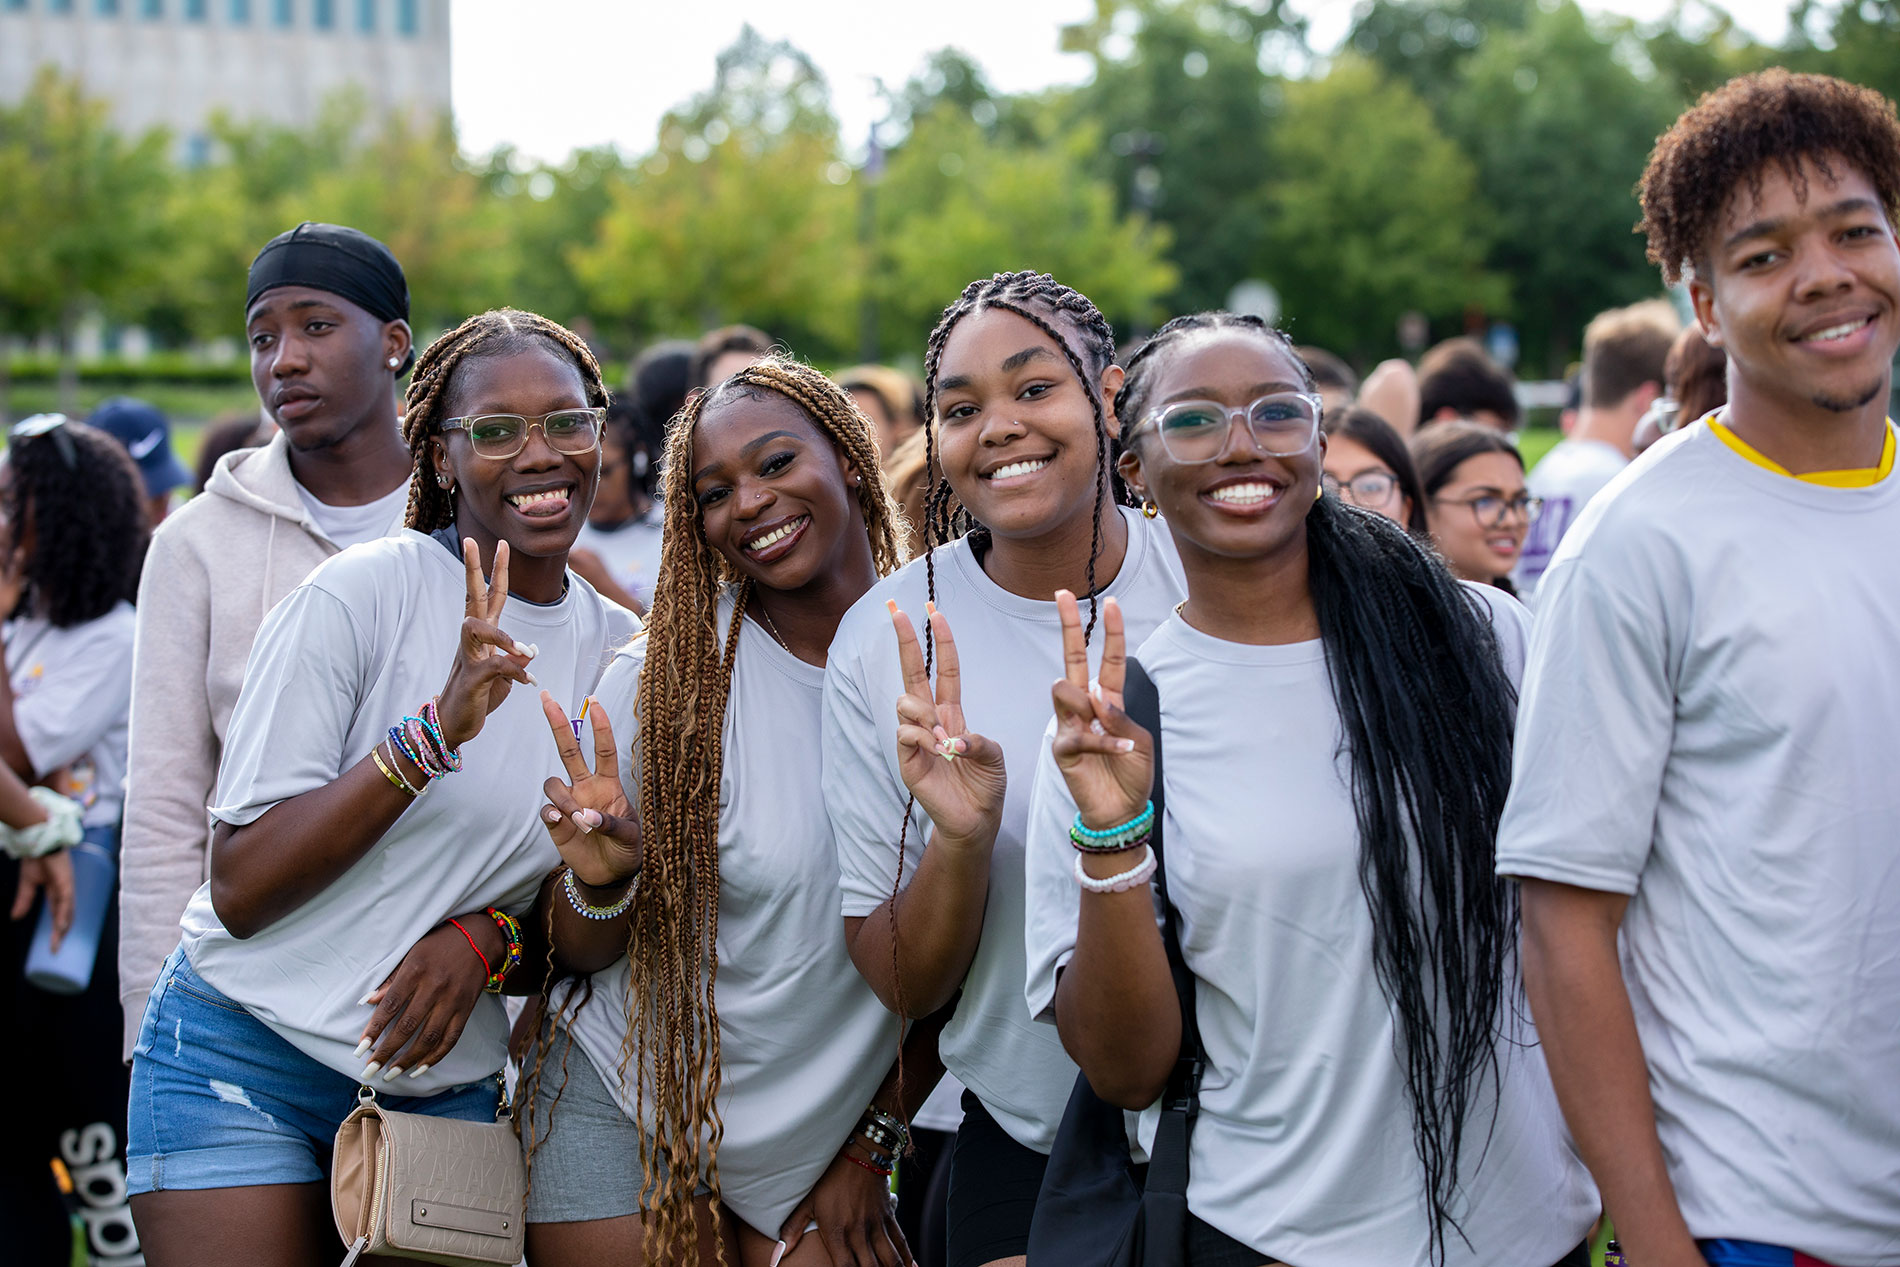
(1148, 508)
(1319, 492)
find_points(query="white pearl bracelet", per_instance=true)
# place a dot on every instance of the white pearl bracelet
(1140, 875)
(587, 909)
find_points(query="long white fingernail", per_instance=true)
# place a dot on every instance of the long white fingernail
(367, 999)
(1095, 689)
(777, 1254)
(395, 1071)
(522, 648)
(534, 649)
(530, 677)
(369, 1070)
(361, 1048)
(418, 1071)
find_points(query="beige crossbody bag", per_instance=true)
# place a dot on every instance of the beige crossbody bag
(428, 1188)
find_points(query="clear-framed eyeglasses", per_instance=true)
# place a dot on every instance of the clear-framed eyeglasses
(1281, 423)
(501, 436)
(1490, 509)
(1665, 413)
(1368, 490)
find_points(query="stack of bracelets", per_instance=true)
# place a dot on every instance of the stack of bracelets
(586, 909)
(883, 1137)
(420, 740)
(511, 958)
(1131, 835)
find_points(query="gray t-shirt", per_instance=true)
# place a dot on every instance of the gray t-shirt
(1303, 1148)
(1011, 652)
(365, 640)
(804, 1042)
(1708, 725)
(72, 697)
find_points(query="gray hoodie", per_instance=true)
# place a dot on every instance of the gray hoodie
(216, 566)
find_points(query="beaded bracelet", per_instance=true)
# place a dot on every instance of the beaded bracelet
(511, 934)
(882, 1129)
(1124, 846)
(399, 741)
(880, 1171)
(588, 910)
(397, 779)
(432, 723)
(1111, 839)
(1140, 875)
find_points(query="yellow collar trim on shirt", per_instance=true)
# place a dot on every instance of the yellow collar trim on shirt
(1865, 477)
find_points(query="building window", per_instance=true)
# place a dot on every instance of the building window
(408, 20)
(366, 16)
(240, 12)
(151, 8)
(106, 8)
(323, 14)
(284, 13)
(195, 10)
(60, 6)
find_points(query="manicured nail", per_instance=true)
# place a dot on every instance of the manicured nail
(418, 1071)
(960, 745)
(534, 649)
(369, 1070)
(522, 648)
(890, 605)
(395, 1071)
(589, 819)
(1095, 689)
(553, 815)
(362, 1047)
(777, 1254)
(367, 1000)
(1124, 745)
(530, 677)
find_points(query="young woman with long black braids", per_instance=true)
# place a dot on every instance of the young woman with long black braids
(1336, 719)
(1019, 377)
(352, 923)
(732, 1071)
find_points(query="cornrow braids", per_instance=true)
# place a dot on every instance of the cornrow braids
(498, 332)
(672, 1043)
(1426, 711)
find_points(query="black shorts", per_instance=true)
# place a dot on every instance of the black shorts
(994, 1182)
(1208, 1246)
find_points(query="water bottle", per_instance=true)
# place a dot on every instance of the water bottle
(95, 862)
(1613, 1255)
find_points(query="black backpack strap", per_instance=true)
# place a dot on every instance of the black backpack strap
(1142, 702)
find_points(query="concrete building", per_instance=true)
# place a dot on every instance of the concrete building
(172, 63)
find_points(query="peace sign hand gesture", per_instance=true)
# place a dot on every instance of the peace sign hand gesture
(486, 660)
(588, 816)
(1105, 758)
(955, 774)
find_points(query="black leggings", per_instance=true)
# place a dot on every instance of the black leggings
(994, 1183)
(1208, 1246)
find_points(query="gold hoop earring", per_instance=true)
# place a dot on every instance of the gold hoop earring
(1148, 508)
(1319, 492)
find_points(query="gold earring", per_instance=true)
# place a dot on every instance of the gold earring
(1149, 508)
(1319, 492)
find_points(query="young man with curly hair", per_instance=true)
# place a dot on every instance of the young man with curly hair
(1704, 812)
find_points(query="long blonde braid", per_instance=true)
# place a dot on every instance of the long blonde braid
(672, 1041)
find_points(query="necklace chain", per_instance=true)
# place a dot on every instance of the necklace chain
(771, 628)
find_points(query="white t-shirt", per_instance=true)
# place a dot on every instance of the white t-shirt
(348, 526)
(1570, 475)
(1303, 1147)
(367, 639)
(804, 1043)
(72, 693)
(1708, 725)
(630, 551)
(1011, 653)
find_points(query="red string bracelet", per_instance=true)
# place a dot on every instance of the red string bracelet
(472, 946)
(858, 1161)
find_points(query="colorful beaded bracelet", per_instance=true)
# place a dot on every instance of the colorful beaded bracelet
(1112, 837)
(1118, 846)
(397, 779)
(587, 909)
(511, 934)
(1131, 879)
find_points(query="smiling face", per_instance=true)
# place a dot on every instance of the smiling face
(1347, 460)
(1803, 290)
(775, 497)
(1245, 503)
(321, 364)
(1477, 550)
(537, 500)
(1017, 434)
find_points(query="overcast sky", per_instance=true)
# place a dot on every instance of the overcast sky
(553, 75)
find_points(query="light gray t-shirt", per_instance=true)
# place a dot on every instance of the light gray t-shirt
(1708, 725)
(1011, 653)
(365, 640)
(1303, 1148)
(72, 695)
(1569, 476)
(631, 551)
(804, 1043)
(348, 526)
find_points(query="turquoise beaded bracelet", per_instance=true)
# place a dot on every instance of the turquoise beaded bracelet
(1113, 839)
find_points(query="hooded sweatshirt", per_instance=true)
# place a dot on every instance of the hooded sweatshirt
(216, 566)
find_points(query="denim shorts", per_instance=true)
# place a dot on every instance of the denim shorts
(221, 1100)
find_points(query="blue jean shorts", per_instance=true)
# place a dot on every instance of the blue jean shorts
(221, 1100)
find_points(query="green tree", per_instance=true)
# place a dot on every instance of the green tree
(1858, 40)
(1359, 233)
(81, 224)
(955, 205)
(549, 210)
(742, 213)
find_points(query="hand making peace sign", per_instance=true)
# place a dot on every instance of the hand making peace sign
(1105, 758)
(955, 774)
(589, 817)
(486, 660)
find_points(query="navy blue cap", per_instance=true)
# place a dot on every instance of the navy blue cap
(146, 434)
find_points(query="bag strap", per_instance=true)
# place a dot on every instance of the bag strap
(1142, 702)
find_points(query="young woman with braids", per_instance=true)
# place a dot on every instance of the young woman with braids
(350, 923)
(1018, 384)
(1337, 719)
(653, 1087)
